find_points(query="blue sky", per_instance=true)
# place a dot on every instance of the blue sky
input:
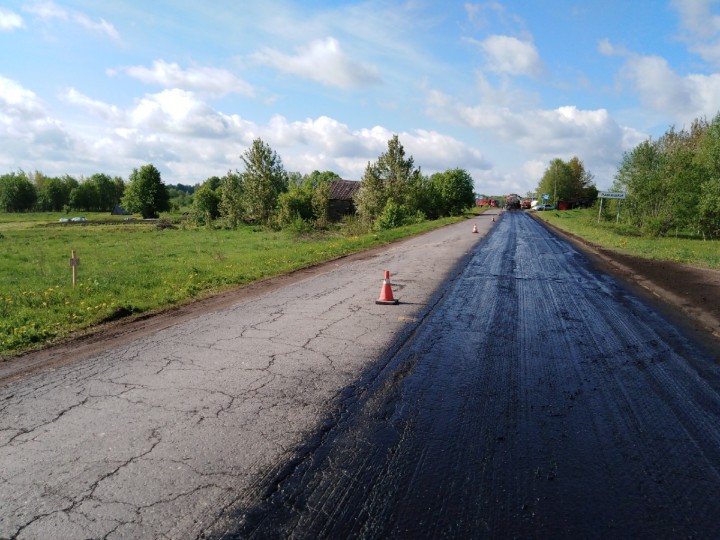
(496, 88)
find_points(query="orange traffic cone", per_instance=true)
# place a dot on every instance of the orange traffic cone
(474, 227)
(386, 295)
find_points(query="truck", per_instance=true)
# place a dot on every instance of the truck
(512, 201)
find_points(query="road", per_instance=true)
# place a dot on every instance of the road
(539, 399)
(513, 392)
(164, 433)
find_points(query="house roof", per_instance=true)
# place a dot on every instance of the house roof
(343, 190)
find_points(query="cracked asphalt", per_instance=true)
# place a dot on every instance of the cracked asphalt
(163, 435)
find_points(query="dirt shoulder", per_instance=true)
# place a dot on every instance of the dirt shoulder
(688, 295)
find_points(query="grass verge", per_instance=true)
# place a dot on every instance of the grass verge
(680, 247)
(135, 267)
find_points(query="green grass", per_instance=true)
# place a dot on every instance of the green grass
(683, 248)
(135, 267)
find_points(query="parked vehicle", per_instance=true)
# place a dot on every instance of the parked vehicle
(541, 207)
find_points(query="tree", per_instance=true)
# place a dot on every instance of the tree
(568, 181)
(455, 189)
(119, 188)
(231, 206)
(146, 194)
(17, 193)
(316, 178)
(84, 197)
(371, 197)
(648, 205)
(320, 202)
(556, 181)
(106, 192)
(53, 194)
(264, 180)
(392, 177)
(97, 193)
(707, 161)
(206, 201)
(582, 184)
(307, 198)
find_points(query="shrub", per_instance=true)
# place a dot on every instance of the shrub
(392, 216)
(354, 226)
(299, 226)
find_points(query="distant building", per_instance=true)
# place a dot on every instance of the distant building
(342, 202)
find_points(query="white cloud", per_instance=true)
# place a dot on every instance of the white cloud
(18, 102)
(326, 144)
(171, 75)
(506, 54)
(563, 132)
(438, 152)
(10, 20)
(99, 27)
(608, 49)
(179, 112)
(697, 19)
(104, 110)
(324, 61)
(27, 132)
(50, 10)
(682, 98)
(700, 28)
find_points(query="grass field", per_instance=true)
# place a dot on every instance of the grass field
(683, 248)
(134, 267)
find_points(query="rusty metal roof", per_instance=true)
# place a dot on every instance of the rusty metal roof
(343, 190)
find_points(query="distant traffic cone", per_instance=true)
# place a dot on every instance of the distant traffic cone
(474, 227)
(386, 295)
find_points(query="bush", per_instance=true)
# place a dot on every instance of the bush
(392, 216)
(655, 226)
(397, 215)
(354, 226)
(299, 226)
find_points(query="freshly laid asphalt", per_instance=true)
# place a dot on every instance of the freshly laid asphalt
(515, 391)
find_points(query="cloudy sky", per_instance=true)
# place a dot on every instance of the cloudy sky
(496, 88)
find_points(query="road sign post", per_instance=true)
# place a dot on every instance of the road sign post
(618, 195)
(74, 263)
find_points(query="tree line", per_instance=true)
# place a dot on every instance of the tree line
(673, 183)
(20, 192)
(393, 192)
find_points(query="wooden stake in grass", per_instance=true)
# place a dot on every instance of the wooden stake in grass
(74, 263)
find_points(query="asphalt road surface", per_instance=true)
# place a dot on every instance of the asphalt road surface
(513, 392)
(538, 400)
